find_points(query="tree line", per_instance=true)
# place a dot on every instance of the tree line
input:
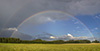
(39, 41)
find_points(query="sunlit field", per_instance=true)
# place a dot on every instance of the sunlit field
(49, 47)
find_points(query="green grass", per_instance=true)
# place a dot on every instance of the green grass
(49, 47)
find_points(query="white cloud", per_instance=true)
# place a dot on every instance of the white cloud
(49, 19)
(97, 17)
(52, 37)
(44, 19)
(40, 20)
(76, 22)
(96, 28)
(76, 38)
(12, 29)
(49, 16)
(70, 35)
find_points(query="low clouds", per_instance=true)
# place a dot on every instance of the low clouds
(50, 37)
(69, 37)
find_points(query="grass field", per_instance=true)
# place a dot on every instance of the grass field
(49, 47)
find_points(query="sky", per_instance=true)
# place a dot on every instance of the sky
(14, 12)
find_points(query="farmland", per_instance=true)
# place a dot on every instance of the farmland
(49, 47)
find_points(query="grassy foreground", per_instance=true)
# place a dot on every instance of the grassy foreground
(49, 47)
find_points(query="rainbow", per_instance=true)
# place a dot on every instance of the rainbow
(51, 11)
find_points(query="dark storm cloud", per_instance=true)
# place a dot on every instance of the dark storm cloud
(13, 12)
(7, 9)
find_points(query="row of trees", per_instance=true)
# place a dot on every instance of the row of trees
(17, 40)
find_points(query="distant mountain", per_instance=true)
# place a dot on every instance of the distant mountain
(22, 36)
(43, 36)
(5, 33)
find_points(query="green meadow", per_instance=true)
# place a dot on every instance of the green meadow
(49, 47)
